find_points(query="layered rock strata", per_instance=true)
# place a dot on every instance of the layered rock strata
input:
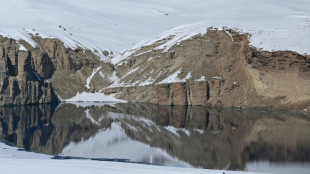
(219, 68)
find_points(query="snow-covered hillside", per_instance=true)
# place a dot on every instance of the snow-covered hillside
(119, 24)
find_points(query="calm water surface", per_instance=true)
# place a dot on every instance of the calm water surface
(276, 142)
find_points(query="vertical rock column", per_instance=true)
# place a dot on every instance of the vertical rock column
(184, 93)
(24, 66)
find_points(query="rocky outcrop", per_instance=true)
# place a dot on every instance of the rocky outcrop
(218, 69)
(46, 72)
(73, 67)
(20, 82)
(193, 93)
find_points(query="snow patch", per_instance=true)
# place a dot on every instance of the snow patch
(202, 78)
(173, 78)
(131, 127)
(130, 72)
(21, 47)
(143, 53)
(199, 131)
(175, 131)
(149, 81)
(101, 74)
(217, 78)
(229, 34)
(150, 59)
(12, 152)
(92, 97)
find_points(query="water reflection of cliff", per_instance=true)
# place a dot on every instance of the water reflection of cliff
(195, 135)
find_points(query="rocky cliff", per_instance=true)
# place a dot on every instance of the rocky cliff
(218, 69)
(47, 72)
(20, 81)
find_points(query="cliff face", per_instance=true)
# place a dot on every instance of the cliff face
(71, 68)
(216, 69)
(20, 82)
(39, 74)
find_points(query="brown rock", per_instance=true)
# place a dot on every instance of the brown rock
(236, 74)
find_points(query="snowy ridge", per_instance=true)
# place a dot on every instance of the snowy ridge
(178, 34)
(117, 25)
(269, 39)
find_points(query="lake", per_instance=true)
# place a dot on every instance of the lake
(193, 136)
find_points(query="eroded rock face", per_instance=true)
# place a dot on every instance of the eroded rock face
(73, 67)
(193, 93)
(233, 73)
(19, 81)
(47, 72)
(216, 69)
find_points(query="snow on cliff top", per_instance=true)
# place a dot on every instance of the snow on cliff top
(119, 24)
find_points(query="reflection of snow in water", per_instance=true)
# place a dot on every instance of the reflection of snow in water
(114, 143)
(90, 117)
(176, 131)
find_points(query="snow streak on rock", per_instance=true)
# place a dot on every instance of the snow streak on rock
(91, 77)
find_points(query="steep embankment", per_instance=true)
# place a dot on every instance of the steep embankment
(46, 48)
(218, 68)
(19, 81)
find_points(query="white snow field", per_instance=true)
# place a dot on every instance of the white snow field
(20, 162)
(93, 97)
(119, 25)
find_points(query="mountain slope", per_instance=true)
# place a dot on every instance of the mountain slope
(227, 48)
(218, 69)
(117, 24)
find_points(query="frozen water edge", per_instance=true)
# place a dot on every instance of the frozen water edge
(16, 162)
